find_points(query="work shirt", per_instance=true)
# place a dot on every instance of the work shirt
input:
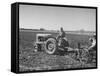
(93, 45)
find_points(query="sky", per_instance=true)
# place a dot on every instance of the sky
(52, 18)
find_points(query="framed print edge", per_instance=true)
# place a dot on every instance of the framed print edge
(15, 37)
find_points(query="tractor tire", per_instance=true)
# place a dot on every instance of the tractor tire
(38, 47)
(51, 46)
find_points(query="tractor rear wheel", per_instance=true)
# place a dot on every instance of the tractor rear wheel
(50, 46)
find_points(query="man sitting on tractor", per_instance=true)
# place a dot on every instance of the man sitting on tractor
(62, 40)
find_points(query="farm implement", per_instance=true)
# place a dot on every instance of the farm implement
(52, 45)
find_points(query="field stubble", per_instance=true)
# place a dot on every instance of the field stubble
(30, 60)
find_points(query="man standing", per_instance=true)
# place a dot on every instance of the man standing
(93, 43)
(92, 49)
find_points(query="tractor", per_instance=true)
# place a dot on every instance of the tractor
(48, 43)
